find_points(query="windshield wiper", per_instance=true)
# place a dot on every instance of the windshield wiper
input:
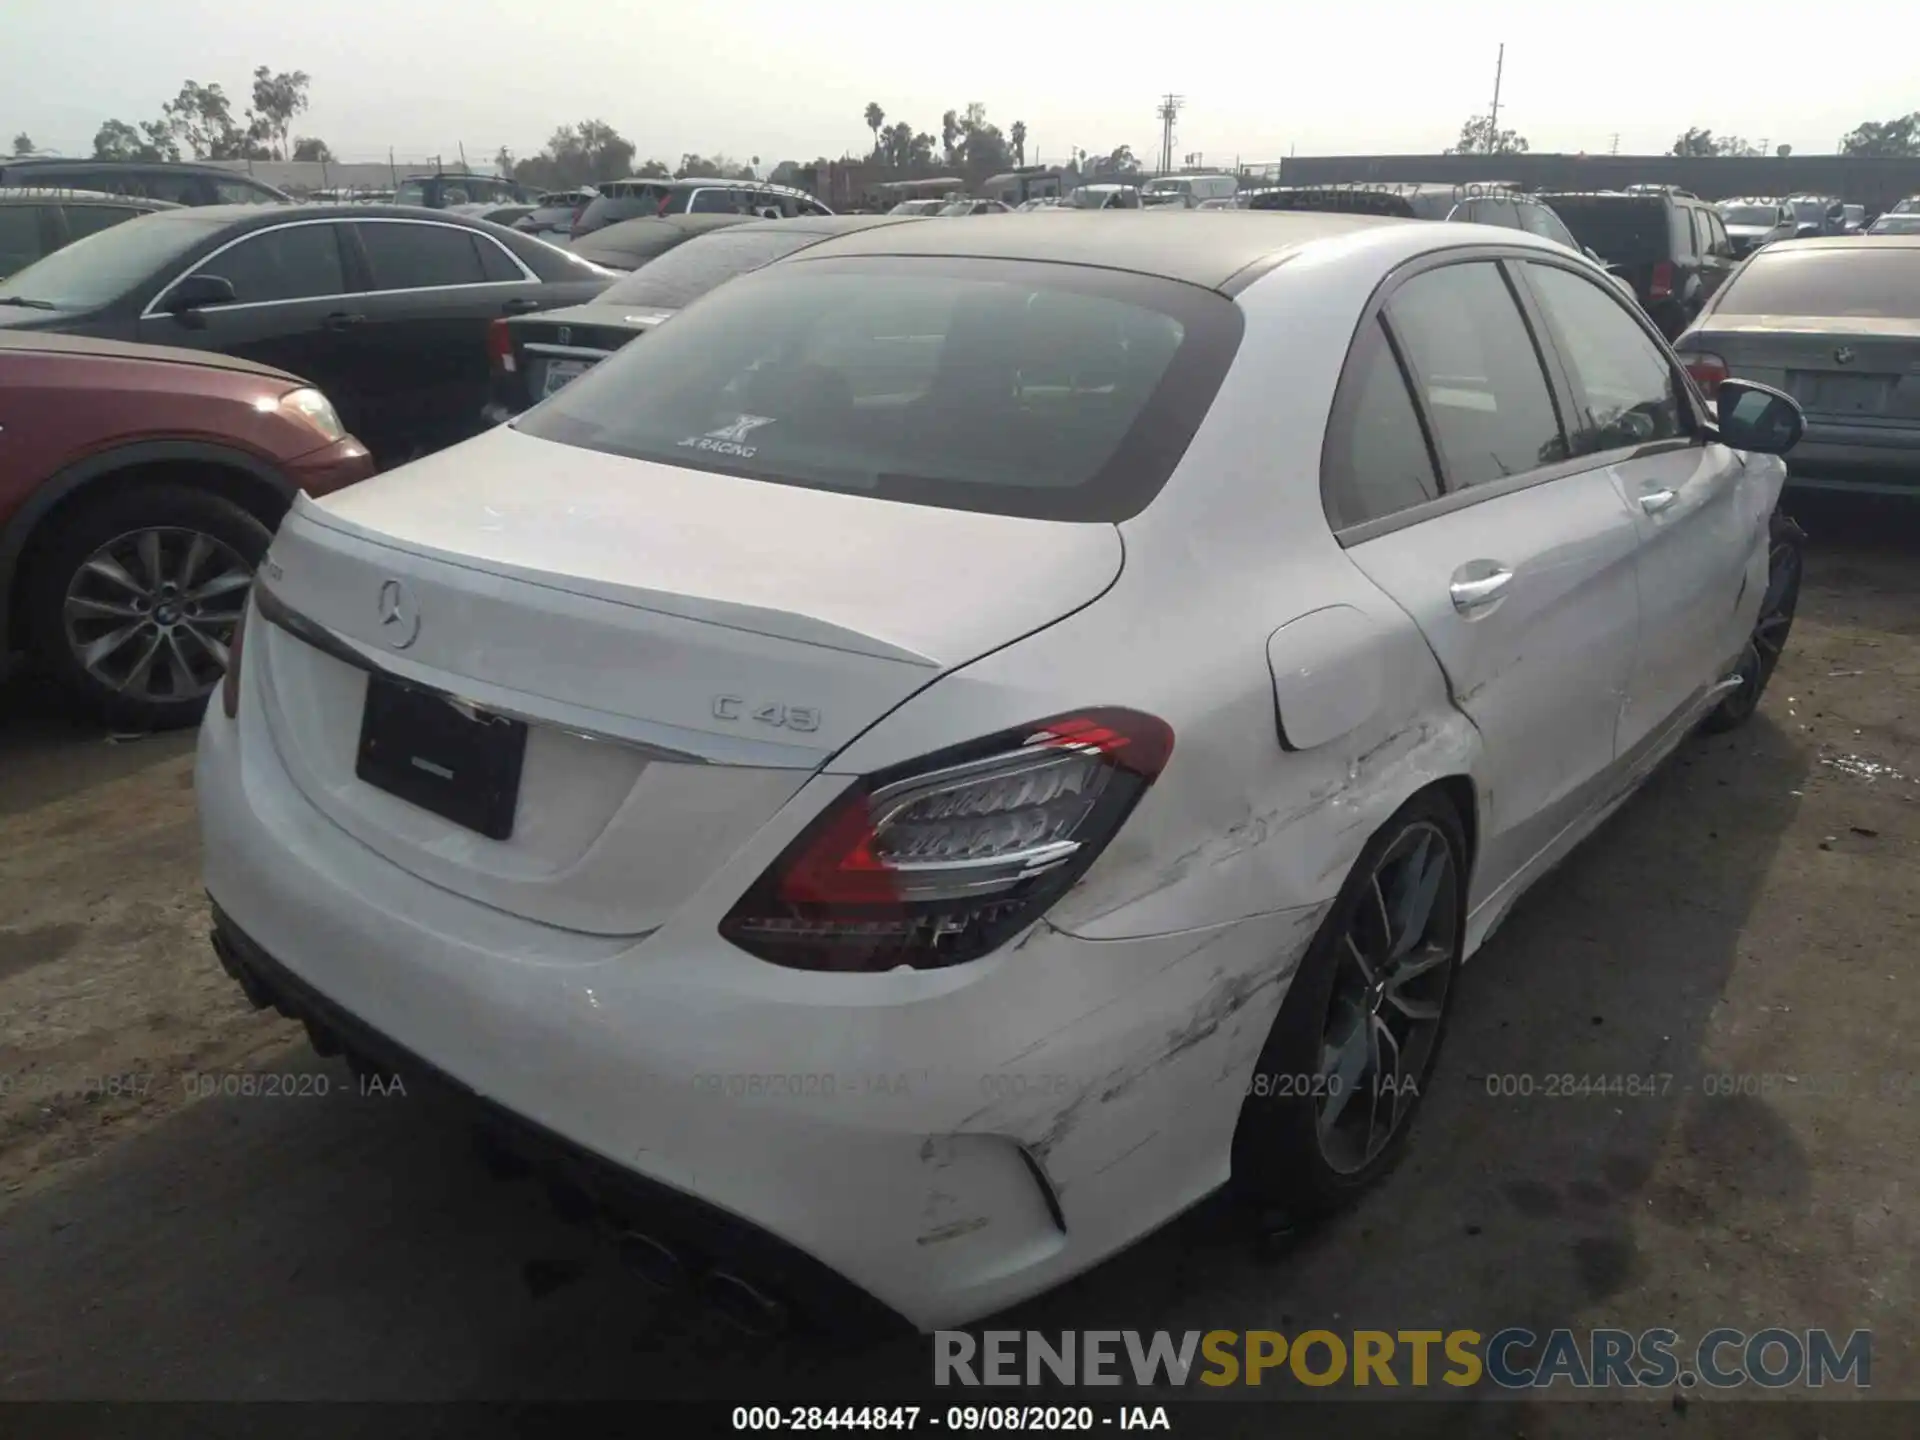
(27, 304)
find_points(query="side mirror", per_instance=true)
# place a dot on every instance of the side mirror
(197, 292)
(1758, 417)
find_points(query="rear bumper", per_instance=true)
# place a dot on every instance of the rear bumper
(945, 1143)
(1870, 459)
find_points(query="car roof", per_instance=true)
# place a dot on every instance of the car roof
(1162, 243)
(55, 162)
(47, 342)
(828, 225)
(41, 194)
(1850, 242)
(331, 210)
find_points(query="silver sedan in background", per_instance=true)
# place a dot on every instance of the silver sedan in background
(1835, 323)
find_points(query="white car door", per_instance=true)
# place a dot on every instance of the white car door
(1446, 480)
(1635, 416)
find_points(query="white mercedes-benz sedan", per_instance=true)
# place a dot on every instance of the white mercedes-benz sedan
(973, 738)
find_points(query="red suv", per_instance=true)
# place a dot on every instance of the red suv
(139, 487)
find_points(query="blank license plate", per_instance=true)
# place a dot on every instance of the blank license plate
(1832, 394)
(462, 765)
(560, 374)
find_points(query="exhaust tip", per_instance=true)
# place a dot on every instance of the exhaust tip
(743, 1305)
(656, 1264)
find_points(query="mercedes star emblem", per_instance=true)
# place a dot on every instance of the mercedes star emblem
(1843, 356)
(399, 615)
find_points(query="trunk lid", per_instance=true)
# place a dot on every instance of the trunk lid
(1863, 370)
(556, 347)
(685, 649)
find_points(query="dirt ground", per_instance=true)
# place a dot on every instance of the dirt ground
(1747, 924)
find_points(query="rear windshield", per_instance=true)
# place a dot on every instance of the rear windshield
(105, 266)
(627, 202)
(1618, 229)
(1896, 225)
(688, 271)
(1859, 280)
(1044, 391)
(1768, 215)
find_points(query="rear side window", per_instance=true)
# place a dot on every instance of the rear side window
(1867, 281)
(1478, 373)
(1539, 220)
(495, 264)
(1044, 391)
(1377, 462)
(710, 201)
(420, 257)
(299, 262)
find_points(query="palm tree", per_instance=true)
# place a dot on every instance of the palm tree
(876, 117)
(1018, 137)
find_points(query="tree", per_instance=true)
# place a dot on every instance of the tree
(876, 117)
(584, 154)
(654, 170)
(276, 100)
(117, 140)
(1479, 137)
(1017, 135)
(1703, 142)
(1783, 151)
(23, 144)
(950, 137)
(202, 116)
(1898, 138)
(308, 147)
(502, 161)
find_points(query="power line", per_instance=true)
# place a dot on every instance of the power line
(1168, 111)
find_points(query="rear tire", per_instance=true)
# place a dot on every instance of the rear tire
(1315, 1131)
(1786, 561)
(134, 598)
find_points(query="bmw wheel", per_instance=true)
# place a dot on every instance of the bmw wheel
(1352, 1051)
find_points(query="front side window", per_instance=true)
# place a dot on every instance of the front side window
(298, 262)
(1475, 366)
(420, 257)
(1377, 460)
(1042, 391)
(712, 201)
(1631, 395)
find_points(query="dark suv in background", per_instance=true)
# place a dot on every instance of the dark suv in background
(170, 180)
(1669, 246)
(1487, 203)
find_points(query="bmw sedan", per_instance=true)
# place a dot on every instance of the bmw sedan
(972, 738)
(383, 307)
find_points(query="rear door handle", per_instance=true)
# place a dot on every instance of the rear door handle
(1654, 501)
(341, 320)
(520, 306)
(1475, 591)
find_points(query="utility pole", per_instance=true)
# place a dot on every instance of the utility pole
(1493, 117)
(1169, 110)
(1615, 148)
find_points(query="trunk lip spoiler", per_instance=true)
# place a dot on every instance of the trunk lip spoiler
(276, 612)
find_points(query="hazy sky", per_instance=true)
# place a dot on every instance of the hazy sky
(788, 79)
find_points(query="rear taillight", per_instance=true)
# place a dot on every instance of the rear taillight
(1660, 286)
(945, 859)
(1706, 369)
(500, 347)
(230, 682)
